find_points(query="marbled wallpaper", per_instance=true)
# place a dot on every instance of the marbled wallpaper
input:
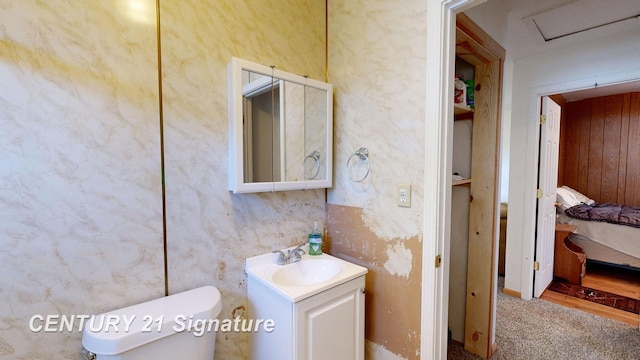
(81, 228)
(80, 184)
(81, 224)
(211, 231)
(377, 57)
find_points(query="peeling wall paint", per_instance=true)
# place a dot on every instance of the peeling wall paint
(375, 351)
(393, 284)
(379, 83)
(399, 260)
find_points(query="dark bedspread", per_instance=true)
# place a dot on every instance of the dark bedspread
(607, 212)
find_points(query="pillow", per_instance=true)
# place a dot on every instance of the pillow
(582, 198)
(566, 199)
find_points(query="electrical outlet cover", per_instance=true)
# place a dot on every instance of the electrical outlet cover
(404, 195)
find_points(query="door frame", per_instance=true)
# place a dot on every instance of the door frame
(440, 19)
(440, 69)
(531, 174)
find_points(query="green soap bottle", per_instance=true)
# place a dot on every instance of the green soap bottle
(315, 241)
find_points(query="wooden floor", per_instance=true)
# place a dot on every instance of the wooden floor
(604, 278)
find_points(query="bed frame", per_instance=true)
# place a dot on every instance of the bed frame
(569, 261)
(604, 254)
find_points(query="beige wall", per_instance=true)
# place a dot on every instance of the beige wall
(211, 231)
(377, 56)
(81, 226)
(80, 191)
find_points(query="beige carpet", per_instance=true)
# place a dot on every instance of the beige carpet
(541, 330)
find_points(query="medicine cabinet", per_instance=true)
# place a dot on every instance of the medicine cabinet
(280, 129)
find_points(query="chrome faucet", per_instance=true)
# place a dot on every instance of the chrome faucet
(290, 257)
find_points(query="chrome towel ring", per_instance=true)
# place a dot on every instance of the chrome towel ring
(314, 169)
(361, 154)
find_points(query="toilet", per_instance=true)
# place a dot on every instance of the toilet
(179, 326)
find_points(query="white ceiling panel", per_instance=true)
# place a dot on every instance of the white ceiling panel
(584, 16)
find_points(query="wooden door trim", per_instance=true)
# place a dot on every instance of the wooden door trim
(478, 48)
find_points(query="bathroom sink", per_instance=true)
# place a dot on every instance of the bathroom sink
(306, 272)
(309, 276)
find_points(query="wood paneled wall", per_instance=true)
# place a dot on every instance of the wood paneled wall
(601, 140)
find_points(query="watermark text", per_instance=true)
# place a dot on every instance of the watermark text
(116, 323)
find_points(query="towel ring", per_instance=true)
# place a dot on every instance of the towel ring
(315, 155)
(363, 155)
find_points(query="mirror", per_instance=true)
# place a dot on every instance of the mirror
(280, 129)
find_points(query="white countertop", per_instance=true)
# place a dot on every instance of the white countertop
(262, 268)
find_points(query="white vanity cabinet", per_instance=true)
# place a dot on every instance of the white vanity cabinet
(328, 325)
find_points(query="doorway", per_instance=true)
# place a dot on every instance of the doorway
(574, 94)
(597, 122)
(441, 38)
(537, 78)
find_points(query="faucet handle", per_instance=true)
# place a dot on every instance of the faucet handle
(298, 251)
(282, 258)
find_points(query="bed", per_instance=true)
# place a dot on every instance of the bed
(601, 241)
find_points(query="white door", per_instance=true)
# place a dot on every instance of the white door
(547, 182)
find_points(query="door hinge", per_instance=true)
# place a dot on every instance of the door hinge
(539, 193)
(438, 260)
(536, 265)
(543, 119)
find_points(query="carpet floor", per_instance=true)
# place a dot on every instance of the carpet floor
(540, 330)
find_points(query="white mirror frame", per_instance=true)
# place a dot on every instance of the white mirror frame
(236, 146)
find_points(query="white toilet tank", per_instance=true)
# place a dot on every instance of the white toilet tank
(172, 327)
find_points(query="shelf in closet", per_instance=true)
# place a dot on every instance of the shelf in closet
(462, 112)
(463, 182)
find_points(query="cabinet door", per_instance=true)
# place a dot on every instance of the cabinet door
(331, 325)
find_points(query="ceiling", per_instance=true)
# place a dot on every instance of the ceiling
(583, 16)
(560, 23)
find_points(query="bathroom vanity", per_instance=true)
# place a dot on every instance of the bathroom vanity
(316, 304)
